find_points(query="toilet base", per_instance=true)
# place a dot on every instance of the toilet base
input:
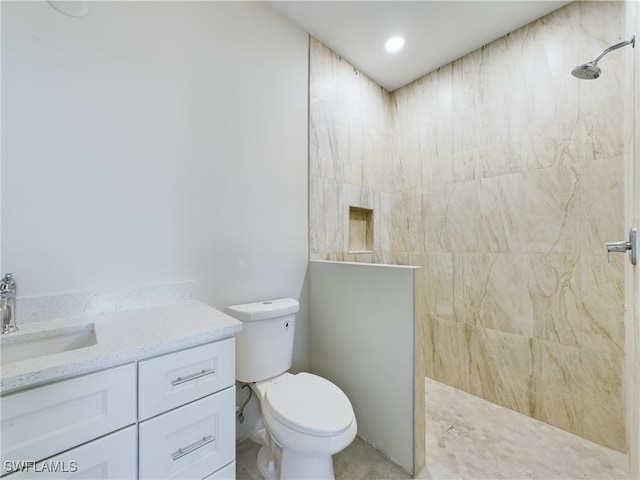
(299, 467)
(268, 464)
(287, 465)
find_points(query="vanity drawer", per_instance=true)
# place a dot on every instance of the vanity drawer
(43, 421)
(226, 473)
(174, 379)
(110, 457)
(191, 441)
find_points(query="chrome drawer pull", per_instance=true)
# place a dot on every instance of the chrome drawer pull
(190, 448)
(188, 378)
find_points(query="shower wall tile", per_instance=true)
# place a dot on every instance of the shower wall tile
(483, 142)
(341, 85)
(328, 140)
(337, 143)
(379, 202)
(544, 132)
(356, 257)
(494, 365)
(397, 258)
(534, 377)
(431, 98)
(407, 167)
(326, 223)
(438, 279)
(494, 300)
(501, 175)
(502, 368)
(549, 211)
(602, 198)
(476, 216)
(464, 85)
(349, 156)
(406, 233)
(376, 158)
(578, 301)
(323, 73)
(586, 400)
(499, 203)
(602, 125)
(437, 153)
(500, 71)
(452, 218)
(329, 218)
(468, 298)
(598, 325)
(448, 353)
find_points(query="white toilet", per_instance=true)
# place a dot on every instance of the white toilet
(307, 418)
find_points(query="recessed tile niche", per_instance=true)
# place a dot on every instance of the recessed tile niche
(360, 230)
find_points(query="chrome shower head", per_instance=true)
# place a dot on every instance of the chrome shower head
(588, 71)
(591, 70)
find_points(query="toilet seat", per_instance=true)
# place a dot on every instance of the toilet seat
(309, 404)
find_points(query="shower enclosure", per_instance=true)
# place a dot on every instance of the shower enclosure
(503, 177)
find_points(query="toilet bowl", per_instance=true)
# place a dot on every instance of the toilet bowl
(307, 418)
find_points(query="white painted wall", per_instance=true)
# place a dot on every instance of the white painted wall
(363, 336)
(1, 265)
(152, 142)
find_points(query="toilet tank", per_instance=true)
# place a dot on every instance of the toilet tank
(264, 346)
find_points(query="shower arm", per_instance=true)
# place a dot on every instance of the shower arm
(615, 47)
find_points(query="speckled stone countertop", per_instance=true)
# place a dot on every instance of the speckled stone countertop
(122, 337)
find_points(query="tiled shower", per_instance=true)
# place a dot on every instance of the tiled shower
(502, 176)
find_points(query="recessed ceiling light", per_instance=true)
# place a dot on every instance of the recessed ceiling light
(394, 44)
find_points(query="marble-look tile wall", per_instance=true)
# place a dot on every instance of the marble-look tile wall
(350, 130)
(501, 175)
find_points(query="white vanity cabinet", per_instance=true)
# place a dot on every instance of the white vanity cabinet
(171, 416)
(40, 422)
(192, 441)
(110, 457)
(187, 413)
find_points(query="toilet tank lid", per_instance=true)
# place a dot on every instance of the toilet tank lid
(251, 312)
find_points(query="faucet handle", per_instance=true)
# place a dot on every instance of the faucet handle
(8, 284)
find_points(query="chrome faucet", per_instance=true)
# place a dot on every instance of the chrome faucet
(8, 303)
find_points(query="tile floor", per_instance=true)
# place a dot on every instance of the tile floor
(470, 438)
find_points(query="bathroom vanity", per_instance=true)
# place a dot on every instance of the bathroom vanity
(146, 393)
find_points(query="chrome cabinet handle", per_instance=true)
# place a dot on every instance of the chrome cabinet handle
(623, 246)
(181, 452)
(193, 376)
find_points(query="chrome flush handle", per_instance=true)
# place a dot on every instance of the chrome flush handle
(623, 246)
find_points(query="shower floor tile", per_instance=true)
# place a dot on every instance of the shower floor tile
(470, 438)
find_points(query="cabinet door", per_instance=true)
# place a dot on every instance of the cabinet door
(226, 473)
(110, 457)
(192, 441)
(43, 421)
(177, 378)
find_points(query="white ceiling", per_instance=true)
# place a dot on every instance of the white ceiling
(436, 32)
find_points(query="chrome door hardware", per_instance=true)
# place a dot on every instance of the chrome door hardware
(623, 246)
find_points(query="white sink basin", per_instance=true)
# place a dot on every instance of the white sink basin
(18, 346)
